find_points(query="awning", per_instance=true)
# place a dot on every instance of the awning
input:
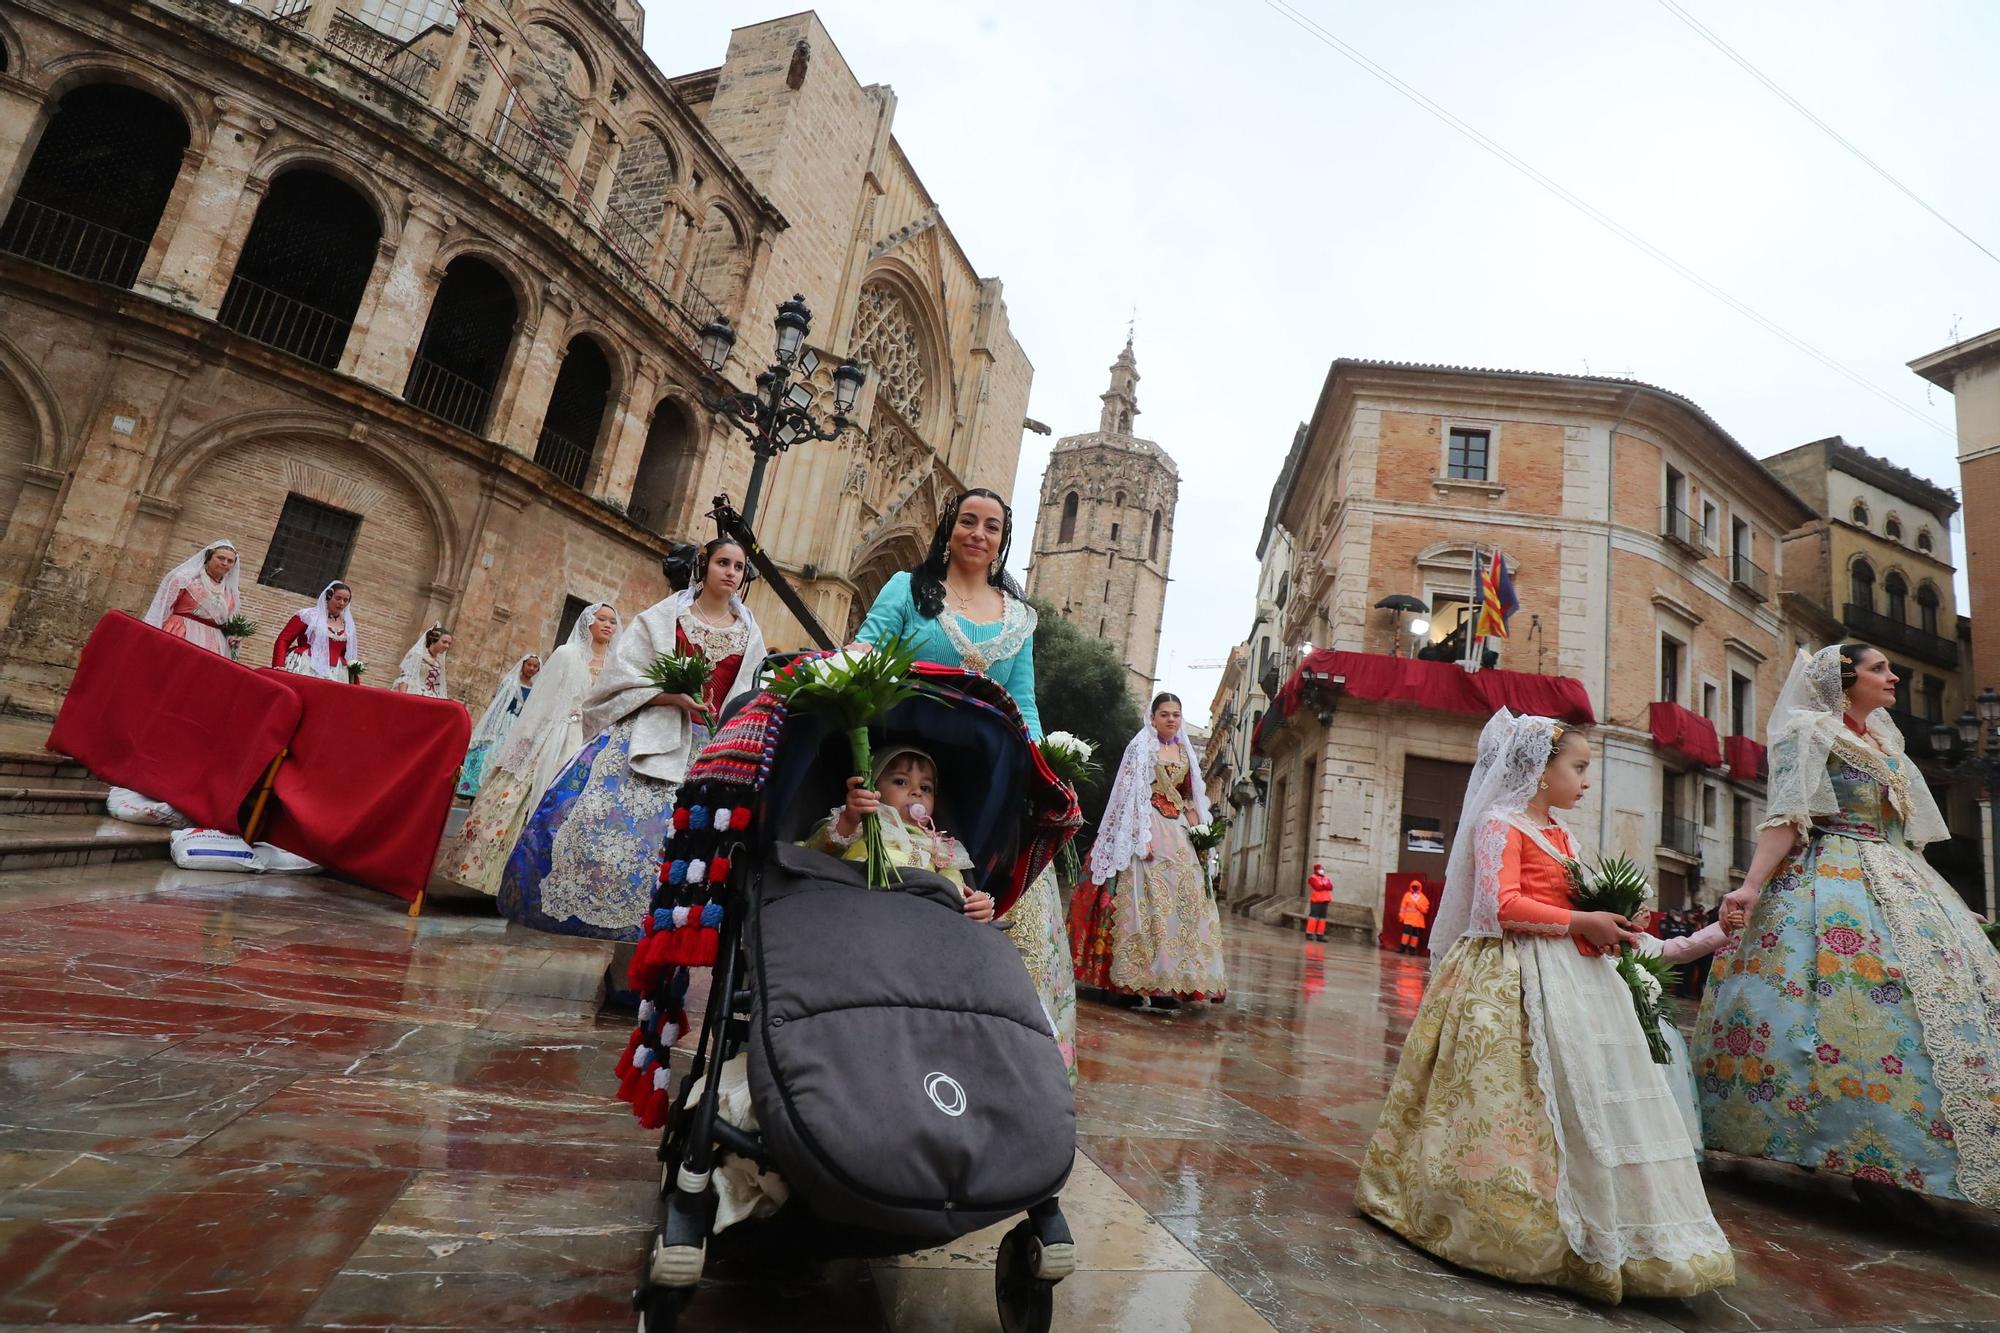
(1443, 686)
(1687, 733)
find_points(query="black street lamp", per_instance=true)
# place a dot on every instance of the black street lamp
(779, 413)
(1973, 745)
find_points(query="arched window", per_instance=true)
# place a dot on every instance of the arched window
(1925, 542)
(1927, 607)
(1859, 513)
(304, 267)
(636, 209)
(576, 411)
(721, 263)
(888, 337)
(1153, 547)
(1119, 499)
(91, 197)
(666, 469)
(1892, 528)
(1068, 531)
(464, 346)
(1896, 590)
(544, 110)
(1861, 585)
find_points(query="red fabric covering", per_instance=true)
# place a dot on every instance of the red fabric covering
(1689, 734)
(150, 711)
(1747, 759)
(1441, 685)
(369, 781)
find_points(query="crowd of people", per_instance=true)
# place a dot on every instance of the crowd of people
(1532, 1130)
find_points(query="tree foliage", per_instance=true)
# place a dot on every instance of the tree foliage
(1080, 688)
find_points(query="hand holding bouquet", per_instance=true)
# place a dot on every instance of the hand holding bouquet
(1206, 838)
(238, 626)
(851, 691)
(1619, 886)
(682, 673)
(355, 671)
(1069, 757)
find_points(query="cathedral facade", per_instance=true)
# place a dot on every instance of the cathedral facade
(410, 294)
(1104, 532)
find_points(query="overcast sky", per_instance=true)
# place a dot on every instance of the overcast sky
(1268, 207)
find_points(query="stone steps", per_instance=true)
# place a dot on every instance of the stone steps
(48, 841)
(41, 800)
(21, 766)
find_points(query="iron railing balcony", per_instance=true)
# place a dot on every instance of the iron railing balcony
(283, 322)
(360, 42)
(520, 145)
(563, 456)
(59, 240)
(449, 396)
(1888, 632)
(1750, 576)
(1678, 526)
(1916, 732)
(1680, 835)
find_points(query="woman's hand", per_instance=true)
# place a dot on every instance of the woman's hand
(861, 802)
(859, 649)
(978, 905)
(1607, 932)
(686, 703)
(1738, 904)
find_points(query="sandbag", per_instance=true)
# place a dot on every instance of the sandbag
(138, 808)
(212, 849)
(275, 860)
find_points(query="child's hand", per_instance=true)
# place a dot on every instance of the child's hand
(1607, 932)
(1734, 918)
(978, 905)
(861, 802)
(1739, 903)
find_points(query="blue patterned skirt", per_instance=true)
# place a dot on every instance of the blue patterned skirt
(589, 856)
(473, 770)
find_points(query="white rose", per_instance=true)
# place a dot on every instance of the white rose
(1649, 987)
(1063, 740)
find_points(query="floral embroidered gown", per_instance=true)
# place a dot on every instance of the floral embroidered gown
(1528, 1134)
(587, 860)
(1157, 930)
(1855, 1026)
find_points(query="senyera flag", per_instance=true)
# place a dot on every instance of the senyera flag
(1497, 602)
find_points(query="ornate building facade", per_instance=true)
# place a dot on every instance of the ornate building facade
(1104, 533)
(384, 295)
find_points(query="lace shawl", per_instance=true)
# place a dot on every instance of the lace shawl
(1127, 832)
(1513, 754)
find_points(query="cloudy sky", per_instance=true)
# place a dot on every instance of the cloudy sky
(1268, 206)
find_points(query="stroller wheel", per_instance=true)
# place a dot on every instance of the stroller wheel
(659, 1308)
(1027, 1303)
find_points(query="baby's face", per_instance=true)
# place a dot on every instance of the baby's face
(910, 784)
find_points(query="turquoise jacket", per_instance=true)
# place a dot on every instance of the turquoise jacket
(895, 615)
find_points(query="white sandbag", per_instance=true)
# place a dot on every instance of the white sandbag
(274, 860)
(212, 849)
(138, 808)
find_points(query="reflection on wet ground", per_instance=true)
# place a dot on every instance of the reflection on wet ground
(229, 1101)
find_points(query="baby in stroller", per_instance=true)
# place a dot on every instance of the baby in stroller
(903, 793)
(875, 1074)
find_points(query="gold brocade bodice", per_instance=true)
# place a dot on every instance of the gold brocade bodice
(1170, 769)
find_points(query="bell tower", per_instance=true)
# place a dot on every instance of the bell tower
(1104, 531)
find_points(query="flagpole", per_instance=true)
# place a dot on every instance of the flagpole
(1472, 621)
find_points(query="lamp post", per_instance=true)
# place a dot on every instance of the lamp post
(1973, 742)
(779, 413)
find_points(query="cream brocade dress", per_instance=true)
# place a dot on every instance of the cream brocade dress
(1529, 1136)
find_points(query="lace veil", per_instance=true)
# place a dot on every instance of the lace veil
(1513, 754)
(410, 672)
(557, 696)
(1127, 832)
(498, 719)
(190, 573)
(1805, 730)
(317, 640)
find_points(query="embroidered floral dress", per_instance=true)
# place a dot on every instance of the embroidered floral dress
(586, 862)
(1156, 931)
(1528, 1134)
(1005, 650)
(1855, 1026)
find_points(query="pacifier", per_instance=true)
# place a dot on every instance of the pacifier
(919, 812)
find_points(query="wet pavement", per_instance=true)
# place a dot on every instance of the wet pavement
(228, 1101)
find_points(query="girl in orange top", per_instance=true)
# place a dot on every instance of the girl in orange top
(1528, 1133)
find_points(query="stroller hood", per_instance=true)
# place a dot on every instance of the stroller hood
(902, 1067)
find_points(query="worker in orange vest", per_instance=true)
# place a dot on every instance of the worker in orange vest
(1319, 892)
(1415, 914)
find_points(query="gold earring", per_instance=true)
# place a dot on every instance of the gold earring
(1545, 786)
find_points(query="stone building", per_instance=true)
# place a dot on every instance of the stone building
(415, 302)
(1970, 372)
(1640, 537)
(1105, 532)
(1878, 558)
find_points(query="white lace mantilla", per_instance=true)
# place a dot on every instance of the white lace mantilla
(1017, 626)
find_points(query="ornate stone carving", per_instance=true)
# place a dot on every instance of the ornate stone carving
(886, 338)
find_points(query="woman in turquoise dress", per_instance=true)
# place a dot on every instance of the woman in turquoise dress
(962, 608)
(1855, 1025)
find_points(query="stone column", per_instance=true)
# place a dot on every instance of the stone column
(616, 469)
(208, 215)
(455, 55)
(579, 149)
(517, 418)
(480, 118)
(23, 113)
(74, 578)
(607, 175)
(319, 18)
(398, 299)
